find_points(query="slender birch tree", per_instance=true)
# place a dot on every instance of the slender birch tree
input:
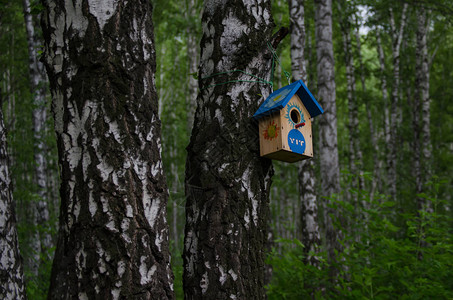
(397, 37)
(330, 168)
(11, 270)
(227, 183)
(311, 237)
(42, 241)
(385, 97)
(422, 99)
(355, 152)
(113, 234)
(193, 54)
(377, 162)
(416, 125)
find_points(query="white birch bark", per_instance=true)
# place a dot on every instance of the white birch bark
(193, 56)
(330, 169)
(284, 210)
(355, 151)
(113, 234)
(227, 183)
(423, 99)
(163, 93)
(384, 90)
(11, 100)
(416, 125)
(310, 234)
(298, 36)
(42, 241)
(397, 37)
(176, 186)
(377, 162)
(11, 271)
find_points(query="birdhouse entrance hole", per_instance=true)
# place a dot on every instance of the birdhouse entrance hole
(295, 116)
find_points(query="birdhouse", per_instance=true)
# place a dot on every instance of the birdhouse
(284, 121)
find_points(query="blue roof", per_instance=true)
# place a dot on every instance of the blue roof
(278, 100)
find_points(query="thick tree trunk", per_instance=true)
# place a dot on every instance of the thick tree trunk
(397, 37)
(38, 81)
(310, 235)
(227, 183)
(11, 270)
(113, 235)
(330, 169)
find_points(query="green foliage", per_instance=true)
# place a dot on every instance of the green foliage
(177, 267)
(292, 278)
(38, 286)
(380, 260)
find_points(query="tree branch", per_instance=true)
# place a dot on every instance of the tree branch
(279, 36)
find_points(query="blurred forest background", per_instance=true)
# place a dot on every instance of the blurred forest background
(396, 228)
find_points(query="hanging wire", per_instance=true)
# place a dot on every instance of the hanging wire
(259, 79)
(275, 58)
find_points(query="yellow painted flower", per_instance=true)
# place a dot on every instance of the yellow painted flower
(271, 131)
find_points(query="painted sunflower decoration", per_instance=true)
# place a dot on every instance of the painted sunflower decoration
(271, 131)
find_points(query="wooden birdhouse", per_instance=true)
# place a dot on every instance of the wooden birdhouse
(285, 123)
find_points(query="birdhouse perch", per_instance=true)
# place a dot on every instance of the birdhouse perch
(284, 121)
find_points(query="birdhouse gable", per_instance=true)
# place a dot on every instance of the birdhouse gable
(281, 97)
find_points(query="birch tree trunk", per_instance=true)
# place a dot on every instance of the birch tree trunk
(397, 37)
(113, 234)
(377, 162)
(177, 186)
(311, 237)
(416, 125)
(193, 56)
(227, 183)
(422, 97)
(355, 152)
(11, 270)
(383, 87)
(330, 169)
(38, 81)
(298, 35)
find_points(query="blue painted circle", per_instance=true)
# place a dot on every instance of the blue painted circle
(296, 141)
